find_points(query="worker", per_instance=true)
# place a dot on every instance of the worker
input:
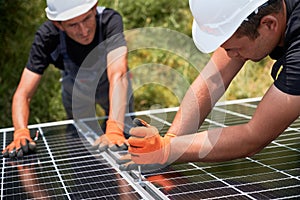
(234, 31)
(87, 44)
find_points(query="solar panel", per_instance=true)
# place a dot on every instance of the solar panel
(64, 166)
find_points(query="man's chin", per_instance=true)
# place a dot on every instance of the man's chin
(85, 41)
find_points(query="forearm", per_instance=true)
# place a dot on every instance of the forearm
(118, 89)
(118, 98)
(22, 97)
(216, 145)
(267, 123)
(191, 113)
(205, 91)
(20, 111)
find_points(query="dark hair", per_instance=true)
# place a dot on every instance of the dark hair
(250, 25)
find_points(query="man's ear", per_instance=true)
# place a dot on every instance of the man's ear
(58, 25)
(270, 22)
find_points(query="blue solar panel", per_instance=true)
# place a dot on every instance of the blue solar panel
(65, 168)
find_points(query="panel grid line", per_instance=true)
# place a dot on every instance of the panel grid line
(248, 158)
(224, 182)
(125, 175)
(249, 117)
(3, 165)
(54, 164)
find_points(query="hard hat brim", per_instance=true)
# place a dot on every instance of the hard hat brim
(71, 13)
(206, 42)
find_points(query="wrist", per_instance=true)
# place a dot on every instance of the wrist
(167, 153)
(22, 132)
(113, 126)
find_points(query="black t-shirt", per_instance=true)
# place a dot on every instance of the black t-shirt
(288, 57)
(47, 38)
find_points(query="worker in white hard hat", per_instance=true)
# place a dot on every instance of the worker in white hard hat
(87, 44)
(235, 31)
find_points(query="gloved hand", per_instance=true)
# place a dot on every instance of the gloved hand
(146, 146)
(126, 164)
(113, 138)
(22, 144)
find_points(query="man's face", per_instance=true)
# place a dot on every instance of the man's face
(82, 28)
(248, 49)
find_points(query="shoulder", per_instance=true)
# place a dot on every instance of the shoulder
(47, 29)
(109, 13)
(293, 25)
(111, 16)
(111, 23)
(47, 35)
(45, 42)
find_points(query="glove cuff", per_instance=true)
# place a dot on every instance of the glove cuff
(114, 127)
(23, 132)
(170, 135)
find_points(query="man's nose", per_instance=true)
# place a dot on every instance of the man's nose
(83, 29)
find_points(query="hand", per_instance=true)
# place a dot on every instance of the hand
(146, 146)
(113, 138)
(21, 145)
(126, 164)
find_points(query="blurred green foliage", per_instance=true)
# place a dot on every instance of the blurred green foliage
(20, 19)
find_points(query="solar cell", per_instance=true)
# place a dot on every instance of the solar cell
(64, 167)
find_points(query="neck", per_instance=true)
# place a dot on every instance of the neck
(283, 22)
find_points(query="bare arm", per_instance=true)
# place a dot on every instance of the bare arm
(22, 97)
(274, 114)
(205, 91)
(117, 69)
(20, 115)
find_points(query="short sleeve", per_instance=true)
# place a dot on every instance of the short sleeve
(45, 41)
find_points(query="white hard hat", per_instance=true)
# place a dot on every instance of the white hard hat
(62, 10)
(215, 21)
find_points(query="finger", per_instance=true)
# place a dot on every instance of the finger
(100, 139)
(12, 154)
(118, 147)
(140, 122)
(20, 153)
(136, 151)
(96, 143)
(126, 142)
(103, 147)
(139, 132)
(32, 146)
(94, 147)
(137, 142)
(5, 153)
(124, 159)
(142, 132)
(101, 143)
(129, 166)
(24, 145)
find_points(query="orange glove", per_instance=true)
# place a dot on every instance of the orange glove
(22, 144)
(148, 147)
(113, 138)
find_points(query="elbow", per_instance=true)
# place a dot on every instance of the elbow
(21, 96)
